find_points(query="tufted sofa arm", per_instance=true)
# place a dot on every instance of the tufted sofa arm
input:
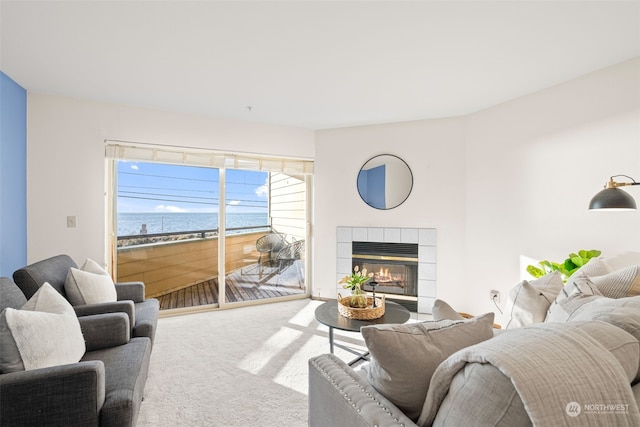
(339, 396)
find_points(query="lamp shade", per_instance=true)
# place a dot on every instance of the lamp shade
(612, 198)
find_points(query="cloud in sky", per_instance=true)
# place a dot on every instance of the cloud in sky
(263, 190)
(134, 166)
(163, 208)
(234, 202)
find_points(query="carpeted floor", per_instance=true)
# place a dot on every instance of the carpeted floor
(239, 367)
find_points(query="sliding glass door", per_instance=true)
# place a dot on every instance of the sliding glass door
(269, 261)
(208, 236)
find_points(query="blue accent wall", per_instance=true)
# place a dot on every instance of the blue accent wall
(13, 176)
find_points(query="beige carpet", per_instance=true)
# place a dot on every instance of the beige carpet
(238, 367)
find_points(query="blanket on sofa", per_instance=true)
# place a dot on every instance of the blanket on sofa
(563, 377)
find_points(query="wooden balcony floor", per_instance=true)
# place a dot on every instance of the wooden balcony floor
(241, 285)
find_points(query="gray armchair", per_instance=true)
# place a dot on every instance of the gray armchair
(143, 313)
(104, 388)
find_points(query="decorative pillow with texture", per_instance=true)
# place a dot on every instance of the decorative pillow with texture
(619, 284)
(594, 267)
(89, 285)
(443, 311)
(578, 291)
(44, 332)
(529, 302)
(404, 357)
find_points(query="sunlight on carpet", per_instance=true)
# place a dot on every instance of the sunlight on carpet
(260, 358)
(237, 367)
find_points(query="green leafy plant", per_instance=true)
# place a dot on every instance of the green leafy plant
(566, 268)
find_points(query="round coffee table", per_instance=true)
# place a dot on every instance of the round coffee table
(327, 314)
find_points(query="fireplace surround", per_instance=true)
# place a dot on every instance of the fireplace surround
(403, 261)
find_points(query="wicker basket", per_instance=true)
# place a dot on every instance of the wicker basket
(368, 313)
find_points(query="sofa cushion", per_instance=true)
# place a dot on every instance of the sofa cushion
(578, 291)
(495, 401)
(44, 332)
(620, 283)
(404, 357)
(623, 345)
(51, 270)
(126, 369)
(529, 302)
(623, 313)
(10, 294)
(89, 285)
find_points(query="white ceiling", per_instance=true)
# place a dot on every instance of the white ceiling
(311, 64)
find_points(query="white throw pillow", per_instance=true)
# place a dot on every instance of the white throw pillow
(529, 302)
(89, 285)
(44, 332)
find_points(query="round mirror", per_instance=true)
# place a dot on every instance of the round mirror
(385, 181)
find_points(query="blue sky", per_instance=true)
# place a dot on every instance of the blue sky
(157, 187)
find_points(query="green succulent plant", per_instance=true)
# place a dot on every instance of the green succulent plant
(566, 268)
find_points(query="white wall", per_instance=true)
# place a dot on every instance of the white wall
(533, 165)
(66, 162)
(508, 182)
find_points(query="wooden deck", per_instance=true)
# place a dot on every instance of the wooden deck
(249, 283)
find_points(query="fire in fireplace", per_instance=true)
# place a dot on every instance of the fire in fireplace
(394, 267)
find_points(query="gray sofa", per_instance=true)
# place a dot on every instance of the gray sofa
(105, 388)
(143, 313)
(583, 370)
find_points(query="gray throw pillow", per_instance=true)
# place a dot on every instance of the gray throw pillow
(443, 311)
(404, 357)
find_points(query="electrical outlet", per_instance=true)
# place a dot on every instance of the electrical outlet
(71, 221)
(494, 296)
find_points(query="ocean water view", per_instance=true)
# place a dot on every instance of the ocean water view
(131, 224)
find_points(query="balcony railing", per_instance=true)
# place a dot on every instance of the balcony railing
(168, 262)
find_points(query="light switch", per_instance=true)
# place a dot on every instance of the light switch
(71, 221)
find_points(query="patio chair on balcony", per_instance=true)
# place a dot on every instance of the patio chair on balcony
(269, 245)
(288, 256)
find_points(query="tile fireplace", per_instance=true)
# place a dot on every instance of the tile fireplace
(403, 261)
